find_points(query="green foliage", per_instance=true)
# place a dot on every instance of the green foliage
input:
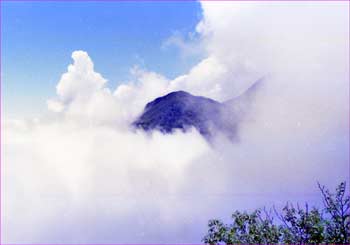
(337, 209)
(297, 225)
(301, 226)
(246, 228)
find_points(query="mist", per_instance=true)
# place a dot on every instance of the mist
(80, 174)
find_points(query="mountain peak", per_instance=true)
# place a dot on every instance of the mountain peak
(177, 95)
(181, 110)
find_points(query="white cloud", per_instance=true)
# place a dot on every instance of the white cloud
(203, 79)
(80, 80)
(88, 171)
(82, 94)
(55, 106)
(144, 87)
(190, 45)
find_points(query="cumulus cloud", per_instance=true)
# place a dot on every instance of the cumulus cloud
(144, 87)
(55, 106)
(85, 177)
(80, 80)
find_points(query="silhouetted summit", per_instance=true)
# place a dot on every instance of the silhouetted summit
(182, 110)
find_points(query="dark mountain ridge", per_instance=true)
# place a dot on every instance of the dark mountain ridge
(181, 110)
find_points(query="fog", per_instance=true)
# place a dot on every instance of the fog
(80, 174)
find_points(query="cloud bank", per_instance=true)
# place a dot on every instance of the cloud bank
(82, 176)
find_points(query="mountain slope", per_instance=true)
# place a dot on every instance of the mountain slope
(180, 111)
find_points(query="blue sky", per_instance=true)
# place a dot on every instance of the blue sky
(39, 37)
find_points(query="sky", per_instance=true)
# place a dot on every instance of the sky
(76, 75)
(37, 38)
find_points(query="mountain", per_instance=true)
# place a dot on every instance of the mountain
(181, 110)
